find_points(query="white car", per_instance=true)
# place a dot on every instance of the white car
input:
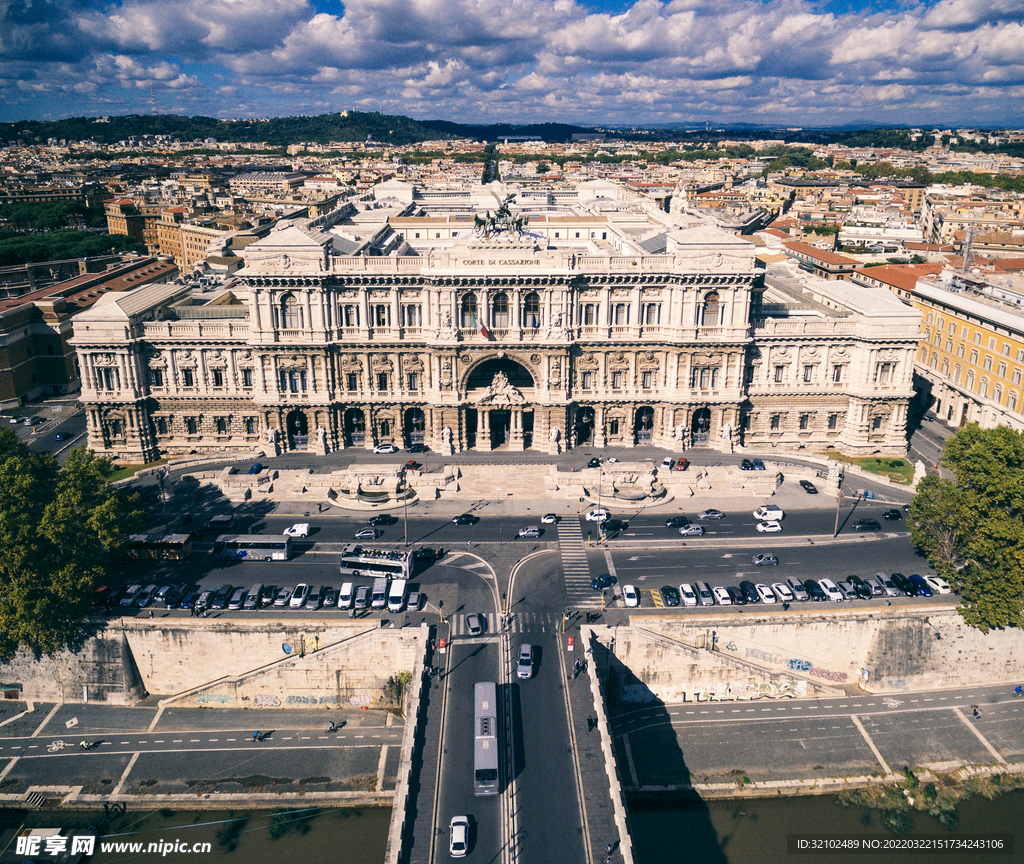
(549, 519)
(299, 529)
(597, 515)
(938, 584)
(688, 594)
(782, 592)
(831, 590)
(769, 511)
(765, 593)
(630, 597)
(385, 448)
(458, 837)
(722, 597)
(299, 596)
(771, 527)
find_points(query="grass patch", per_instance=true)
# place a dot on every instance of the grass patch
(120, 472)
(893, 468)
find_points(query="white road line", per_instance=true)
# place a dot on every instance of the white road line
(870, 743)
(176, 741)
(977, 734)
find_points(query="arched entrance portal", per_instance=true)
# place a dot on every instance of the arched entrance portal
(499, 414)
(415, 426)
(700, 428)
(355, 428)
(298, 430)
(643, 425)
(584, 427)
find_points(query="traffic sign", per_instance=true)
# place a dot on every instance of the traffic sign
(441, 649)
(568, 646)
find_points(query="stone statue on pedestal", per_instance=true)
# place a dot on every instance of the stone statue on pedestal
(555, 437)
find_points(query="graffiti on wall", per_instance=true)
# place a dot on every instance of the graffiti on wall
(272, 700)
(718, 691)
(794, 664)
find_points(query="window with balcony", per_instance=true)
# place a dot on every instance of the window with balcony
(412, 315)
(620, 314)
(467, 311)
(651, 314)
(381, 315)
(945, 367)
(588, 314)
(709, 311)
(531, 311)
(499, 311)
(704, 377)
(970, 380)
(349, 315)
(291, 312)
(293, 381)
(884, 371)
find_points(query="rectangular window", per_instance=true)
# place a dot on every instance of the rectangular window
(587, 380)
(381, 315)
(616, 380)
(646, 379)
(620, 314)
(805, 421)
(988, 364)
(1001, 371)
(652, 313)
(1011, 401)
(350, 315)
(837, 374)
(412, 315)
(960, 350)
(974, 357)
(588, 314)
(250, 426)
(222, 426)
(876, 424)
(352, 380)
(952, 328)
(218, 378)
(776, 422)
(1020, 355)
(779, 372)
(748, 374)
(187, 378)
(808, 373)
(613, 426)
(247, 377)
(883, 372)
(190, 425)
(991, 343)
(382, 381)
(156, 378)
(414, 381)
(1006, 349)
(977, 338)
(161, 426)
(833, 421)
(1016, 376)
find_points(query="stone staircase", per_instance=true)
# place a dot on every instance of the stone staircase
(485, 481)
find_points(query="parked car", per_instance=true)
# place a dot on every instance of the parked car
(524, 663)
(692, 531)
(738, 597)
(938, 585)
(368, 533)
(167, 596)
(762, 559)
(475, 624)
(283, 597)
(711, 514)
(667, 463)
(630, 596)
(669, 596)
(866, 525)
(299, 596)
(809, 487)
(771, 527)
(681, 464)
(814, 590)
(237, 598)
(782, 592)
(769, 512)
(688, 595)
(412, 464)
(188, 600)
(876, 585)
(798, 589)
(599, 583)
(204, 600)
(314, 598)
(221, 598)
(417, 448)
(256, 467)
(831, 590)
(758, 464)
(362, 597)
(385, 448)
(721, 596)
(596, 515)
(146, 596)
(905, 586)
(846, 589)
(704, 595)
(746, 465)
(888, 585)
(892, 515)
(861, 588)
(750, 591)
(267, 596)
(131, 595)
(414, 602)
(921, 584)
(765, 593)
(594, 462)
(677, 522)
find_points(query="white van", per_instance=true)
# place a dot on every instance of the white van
(396, 596)
(345, 596)
(252, 599)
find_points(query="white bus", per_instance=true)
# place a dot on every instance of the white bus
(357, 560)
(253, 547)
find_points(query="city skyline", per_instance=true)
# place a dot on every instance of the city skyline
(784, 62)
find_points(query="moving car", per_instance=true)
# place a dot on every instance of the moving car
(692, 531)
(614, 525)
(721, 596)
(415, 601)
(458, 837)
(677, 522)
(831, 590)
(299, 529)
(771, 527)
(599, 583)
(749, 590)
(256, 468)
(809, 487)
(385, 448)
(711, 514)
(549, 519)
(475, 624)
(765, 593)
(704, 595)
(368, 533)
(299, 596)
(938, 585)
(529, 532)
(866, 525)
(762, 559)
(412, 464)
(669, 596)
(596, 515)
(630, 596)
(60, 436)
(768, 511)
(688, 594)
(464, 519)
(382, 519)
(524, 664)
(417, 448)
(892, 515)
(426, 553)
(594, 462)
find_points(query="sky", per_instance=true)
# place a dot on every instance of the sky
(588, 62)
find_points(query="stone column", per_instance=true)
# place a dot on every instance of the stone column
(599, 439)
(515, 436)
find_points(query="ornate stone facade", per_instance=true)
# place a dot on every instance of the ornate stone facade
(571, 333)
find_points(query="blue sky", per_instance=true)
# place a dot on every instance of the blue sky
(788, 62)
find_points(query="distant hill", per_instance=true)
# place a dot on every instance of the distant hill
(554, 132)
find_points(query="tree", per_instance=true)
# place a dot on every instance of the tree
(60, 529)
(971, 528)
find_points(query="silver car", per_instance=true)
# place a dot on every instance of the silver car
(524, 665)
(704, 596)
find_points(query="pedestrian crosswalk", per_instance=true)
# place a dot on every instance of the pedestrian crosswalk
(575, 566)
(521, 622)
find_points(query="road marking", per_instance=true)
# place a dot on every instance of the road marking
(176, 741)
(860, 727)
(193, 740)
(213, 739)
(32, 746)
(977, 734)
(123, 742)
(158, 742)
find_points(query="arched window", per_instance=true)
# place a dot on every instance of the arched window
(709, 311)
(970, 380)
(531, 311)
(468, 311)
(291, 313)
(499, 311)
(945, 367)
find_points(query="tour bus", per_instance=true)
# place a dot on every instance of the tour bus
(379, 593)
(396, 595)
(359, 560)
(253, 547)
(485, 738)
(171, 547)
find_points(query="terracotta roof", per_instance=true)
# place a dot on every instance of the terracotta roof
(1008, 265)
(902, 276)
(819, 254)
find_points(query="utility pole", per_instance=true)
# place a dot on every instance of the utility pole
(839, 501)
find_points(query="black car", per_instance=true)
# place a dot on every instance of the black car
(814, 590)
(669, 596)
(746, 465)
(383, 519)
(426, 553)
(594, 463)
(464, 519)
(892, 515)
(758, 464)
(677, 522)
(860, 587)
(613, 525)
(417, 448)
(602, 582)
(220, 599)
(738, 598)
(749, 591)
(809, 487)
(866, 525)
(904, 584)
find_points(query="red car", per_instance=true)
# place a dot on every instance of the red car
(412, 464)
(682, 464)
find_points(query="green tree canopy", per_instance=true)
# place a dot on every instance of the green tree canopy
(971, 527)
(59, 529)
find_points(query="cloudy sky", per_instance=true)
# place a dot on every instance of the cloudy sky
(578, 61)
